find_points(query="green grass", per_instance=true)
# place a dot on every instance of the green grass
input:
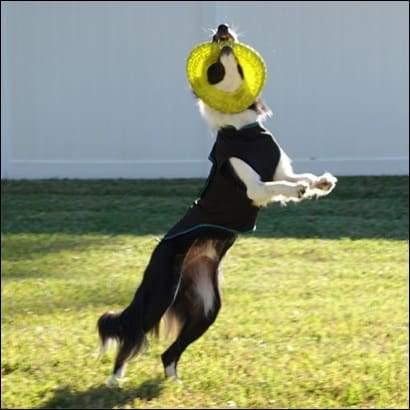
(315, 311)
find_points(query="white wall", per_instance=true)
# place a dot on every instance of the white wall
(98, 89)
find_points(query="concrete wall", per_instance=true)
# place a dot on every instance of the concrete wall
(98, 89)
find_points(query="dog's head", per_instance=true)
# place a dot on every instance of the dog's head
(226, 74)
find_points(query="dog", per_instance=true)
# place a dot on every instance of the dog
(181, 282)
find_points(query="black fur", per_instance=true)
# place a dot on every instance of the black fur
(240, 70)
(215, 73)
(168, 286)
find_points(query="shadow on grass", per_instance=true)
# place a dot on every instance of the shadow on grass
(103, 397)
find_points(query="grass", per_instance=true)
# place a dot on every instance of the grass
(315, 311)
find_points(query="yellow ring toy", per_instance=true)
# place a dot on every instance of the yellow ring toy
(254, 70)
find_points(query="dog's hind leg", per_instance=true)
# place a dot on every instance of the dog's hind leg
(197, 304)
(152, 298)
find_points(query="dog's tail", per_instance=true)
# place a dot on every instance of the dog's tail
(126, 328)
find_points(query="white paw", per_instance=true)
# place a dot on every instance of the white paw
(297, 190)
(116, 378)
(171, 371)
(113, 381)
(302, 188)
(325, 182)
(291, 192)
(173, 380)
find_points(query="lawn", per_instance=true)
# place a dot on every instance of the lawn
(315, 302)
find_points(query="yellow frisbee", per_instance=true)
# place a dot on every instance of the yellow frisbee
(253, 67)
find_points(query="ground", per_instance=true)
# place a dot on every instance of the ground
(315, 303)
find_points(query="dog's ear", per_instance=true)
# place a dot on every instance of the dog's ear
(260, 107)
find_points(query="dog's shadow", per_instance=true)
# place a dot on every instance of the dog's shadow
(103, 397)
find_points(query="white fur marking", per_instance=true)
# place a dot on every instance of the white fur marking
(232, 79)
(104, 347)
(210, 252)
(114, 380)
(205, 291)
(261, 193)
(216, 119)
(318, 185)
(171, 370)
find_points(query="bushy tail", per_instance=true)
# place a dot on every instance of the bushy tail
(126, 329)
(109, 327)
(155, 294)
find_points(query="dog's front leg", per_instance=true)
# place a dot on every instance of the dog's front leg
(318, 185)
(261, 193)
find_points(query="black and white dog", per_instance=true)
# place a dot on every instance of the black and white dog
(180, 283)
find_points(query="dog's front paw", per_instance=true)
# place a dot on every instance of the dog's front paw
(295, 191)
(325, 182)
(301, 189)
